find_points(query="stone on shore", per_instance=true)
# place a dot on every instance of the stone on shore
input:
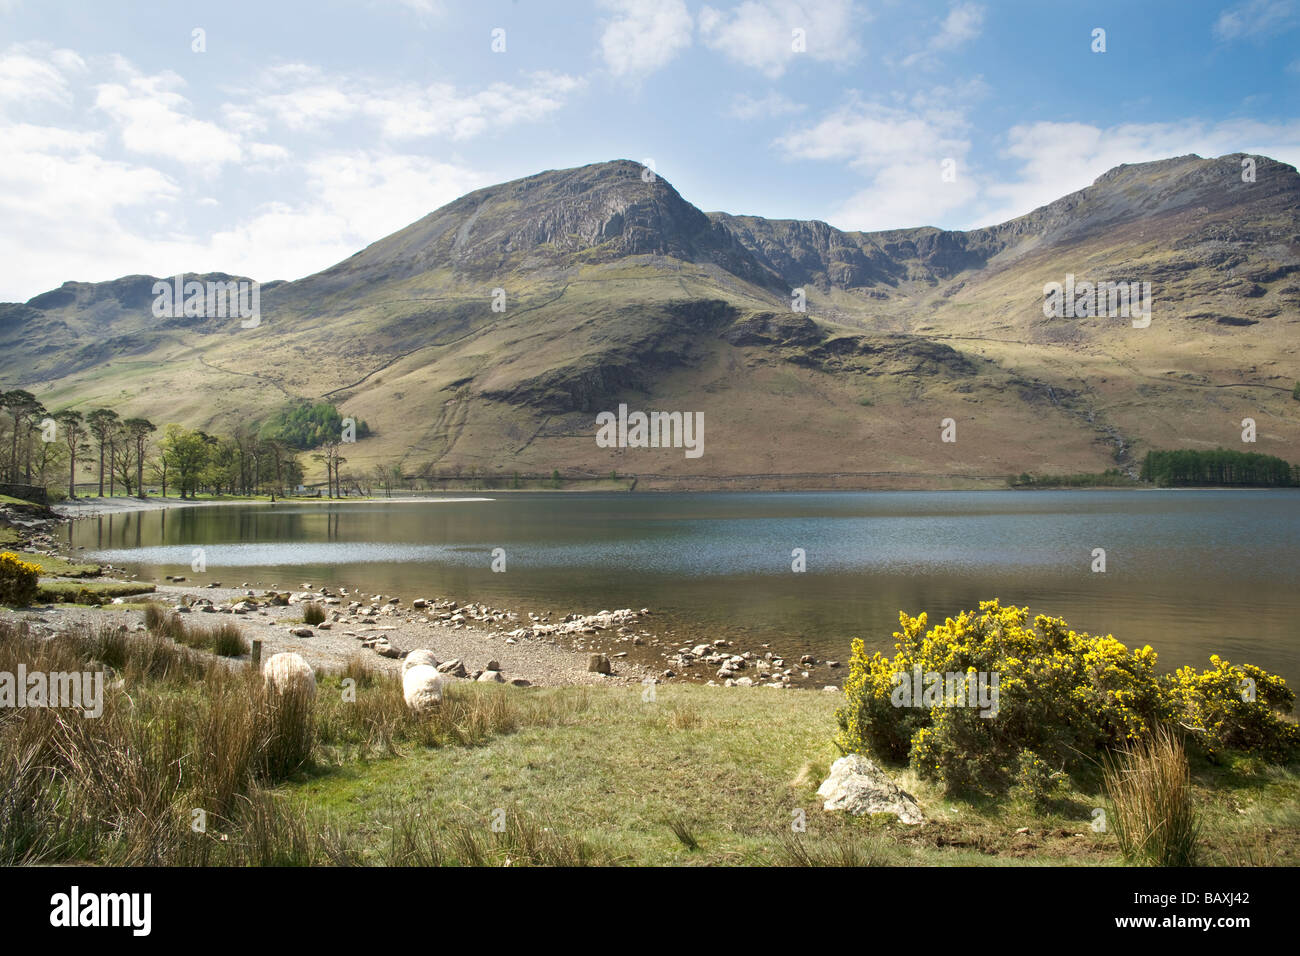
(598, 664)
(857, 785)
(454, 667)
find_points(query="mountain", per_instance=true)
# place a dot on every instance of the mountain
(611, 288)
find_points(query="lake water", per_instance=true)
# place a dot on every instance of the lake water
(1189, 572)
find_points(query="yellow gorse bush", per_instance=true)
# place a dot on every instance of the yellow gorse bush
(1063, 695)
(18, 580)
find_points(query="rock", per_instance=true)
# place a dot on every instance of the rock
(857, 785)
(831, 687)
(455, 668)
(832, 663)
(389, 650)
(598, 664)
(493, 665)
(300, 631)
(520, 682)
(491, 677)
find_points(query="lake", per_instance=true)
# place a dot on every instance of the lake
(1189, 572)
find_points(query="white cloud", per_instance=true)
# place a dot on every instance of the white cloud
(643, 36)
(1056, 159)
(153, 119)
(902, 152)
(35, 73)
(302, 99)
(964, 22)
(125, 175)
(760, 33)
(1255, 17)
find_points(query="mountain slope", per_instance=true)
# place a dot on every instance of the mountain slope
(609, 288)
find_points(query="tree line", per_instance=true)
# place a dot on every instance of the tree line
(38, 445)
(1219, 467)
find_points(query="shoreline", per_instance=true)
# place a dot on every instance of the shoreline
(547, 649)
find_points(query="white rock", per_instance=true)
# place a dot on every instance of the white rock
(859, 786)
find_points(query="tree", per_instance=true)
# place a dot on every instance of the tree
(138, 431)
(101, 423)
(49, 461)
(186, 455)
(23, 408)
(123, 463)
(74, 433)
(332, 460)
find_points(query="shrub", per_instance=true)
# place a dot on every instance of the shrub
(1152, 814)
(1236, 707)
(18, 580)
(313, 613)
(1037, 784)
(1061, 696)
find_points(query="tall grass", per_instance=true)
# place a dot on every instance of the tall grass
(1152, 811)
(313, 613)
(184, 731)
(224, 639)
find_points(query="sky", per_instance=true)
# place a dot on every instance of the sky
(273, 139)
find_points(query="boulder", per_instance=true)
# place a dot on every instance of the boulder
(598, 664)
(857, 785)
(491, 677)
(454, 667)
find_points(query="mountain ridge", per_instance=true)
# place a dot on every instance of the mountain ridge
(616, 287)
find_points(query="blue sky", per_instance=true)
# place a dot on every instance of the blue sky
(303, 131)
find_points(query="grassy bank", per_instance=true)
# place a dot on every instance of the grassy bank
(691, 775)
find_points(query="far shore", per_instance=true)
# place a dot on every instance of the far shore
(92, 507)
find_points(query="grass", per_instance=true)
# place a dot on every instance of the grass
(223, 639)
(501, 776)
(1152, 806)
(60, 567)
(88, 592)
